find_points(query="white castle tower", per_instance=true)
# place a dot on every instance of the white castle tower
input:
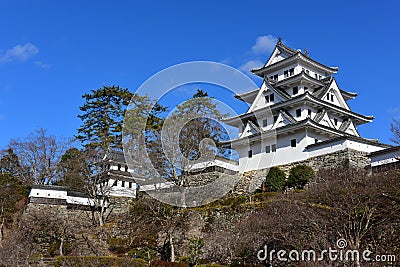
(298, 113)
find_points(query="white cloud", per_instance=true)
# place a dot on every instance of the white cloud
(42, 65)
(251, 64)
(19, 53)
(264, 44)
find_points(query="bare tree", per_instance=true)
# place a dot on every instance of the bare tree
(395, 128)
(39, 154)
(154, 224)
(35, 229)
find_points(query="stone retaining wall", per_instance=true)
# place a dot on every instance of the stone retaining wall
(347, 158)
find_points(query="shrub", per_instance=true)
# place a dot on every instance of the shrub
(211, 265)
(118, 245)
(275, 180)
(263, 197)
(83, 261)
(145, 253)
(299, 176)
(160, 263)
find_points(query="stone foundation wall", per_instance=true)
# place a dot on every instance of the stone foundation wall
(85, 237)
(344, 158)
(347, 158)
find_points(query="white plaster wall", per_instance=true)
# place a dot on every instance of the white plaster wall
(327, 148)
(48, 193)
(79, 200)
(150, 187)
(215, 162)
(281, 72)
(123, 192)
(284, 152)
(385, 158)
(363, 147)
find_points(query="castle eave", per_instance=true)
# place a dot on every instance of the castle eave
(298, 57)
(306, 97)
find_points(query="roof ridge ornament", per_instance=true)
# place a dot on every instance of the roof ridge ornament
(306, 52)
(279, 41)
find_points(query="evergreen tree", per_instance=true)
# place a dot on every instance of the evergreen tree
(299, 176)
(275, 180)
(11, 188)
(102, 118)
(74, 169)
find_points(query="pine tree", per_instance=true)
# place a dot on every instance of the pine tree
(103, 115)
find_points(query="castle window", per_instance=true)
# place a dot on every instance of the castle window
(295, 90)
(316, 140)
(119, 167)
(250, 153)
(269, 98)
(332, 97)
(336, 121)
(309, 112)
(126, 168)
(115, 183)
(293, 143)
(265, 123)
(291, 72)
(285, 73)
(316, 76)
(267, 149)
(273, 148)
(276, 77)
(319, 77)
(298, 112)
(123, 183)
(305, 88)
(275, 118)
(307, 71)
(130, 184)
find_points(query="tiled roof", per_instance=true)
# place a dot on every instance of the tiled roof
(285, 48)
(115, 155)
(252, 124)
(345, 125)
(386, 151)
(302, 97)
(318, 117)
(299, 55)
(349, 137)
(281, 92)
(302, 73)
(287, 115)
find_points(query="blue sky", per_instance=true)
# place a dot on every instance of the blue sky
(52, 52)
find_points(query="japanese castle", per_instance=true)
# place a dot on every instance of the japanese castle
(299, 112)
